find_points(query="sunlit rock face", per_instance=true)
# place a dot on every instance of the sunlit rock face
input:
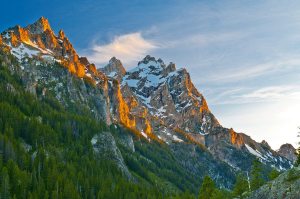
(39, 40)
(155, 100)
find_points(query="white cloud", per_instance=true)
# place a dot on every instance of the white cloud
(201, 40)
(275, 93)
(129, 48)
(246, 72)
(246, 95)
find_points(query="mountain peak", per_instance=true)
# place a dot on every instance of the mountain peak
(114, 69)
(152, 60)
(288, 151)
(147, 59)
(40, 26)
(61, 34)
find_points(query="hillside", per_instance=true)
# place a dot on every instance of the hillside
(286, 186)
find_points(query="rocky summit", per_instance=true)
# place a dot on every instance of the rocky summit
(288, 151)
(156, 101)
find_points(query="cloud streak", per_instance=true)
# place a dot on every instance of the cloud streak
(247, 72)
(129, 48)
(238, 96)
(274, 93)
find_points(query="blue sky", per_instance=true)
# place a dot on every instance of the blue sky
(244, 56)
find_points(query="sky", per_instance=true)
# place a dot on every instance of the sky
(243, 56)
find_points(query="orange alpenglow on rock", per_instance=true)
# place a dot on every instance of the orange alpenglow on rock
(61, 34)
(236, 139)
(41, 37)
(124, 110)
(14, 40)
(39, 26)
(204, 106)
(148, 129)
(23, 35)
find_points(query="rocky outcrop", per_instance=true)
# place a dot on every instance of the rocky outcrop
(105, 148)
(286, 186)
(288, 151)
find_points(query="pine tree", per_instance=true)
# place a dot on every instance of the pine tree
(297, 163)
(257, 179)
(5, 187)
(241, 185)
(273, 174)
(207, 188)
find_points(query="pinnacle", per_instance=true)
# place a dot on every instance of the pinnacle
(40, 26)
(114, 65)
(61, 34)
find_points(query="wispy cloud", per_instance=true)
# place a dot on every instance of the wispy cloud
(128, 48)
(247, 72)
(245, 95)
(201, 40)
(274, 93)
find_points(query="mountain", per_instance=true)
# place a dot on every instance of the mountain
(288, 151)
(156, 102)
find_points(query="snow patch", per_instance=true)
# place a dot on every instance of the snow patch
(94, 140)
(144, 134)
(254, 152)
(175, 138)
(22, 51)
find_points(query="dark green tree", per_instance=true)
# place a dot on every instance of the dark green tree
(207, 188)
(273, 174)
(241, 185)
(257, 179)
(297, 163)
(5, 186)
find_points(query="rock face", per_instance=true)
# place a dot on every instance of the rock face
(286, 186)
(105, 147)
(288, 151)
(154, 100)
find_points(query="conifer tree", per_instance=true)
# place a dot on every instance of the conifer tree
(257, 179)
(207, 188)
(241, 185)
(5, 186)
(297, 163)
(273, 174)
